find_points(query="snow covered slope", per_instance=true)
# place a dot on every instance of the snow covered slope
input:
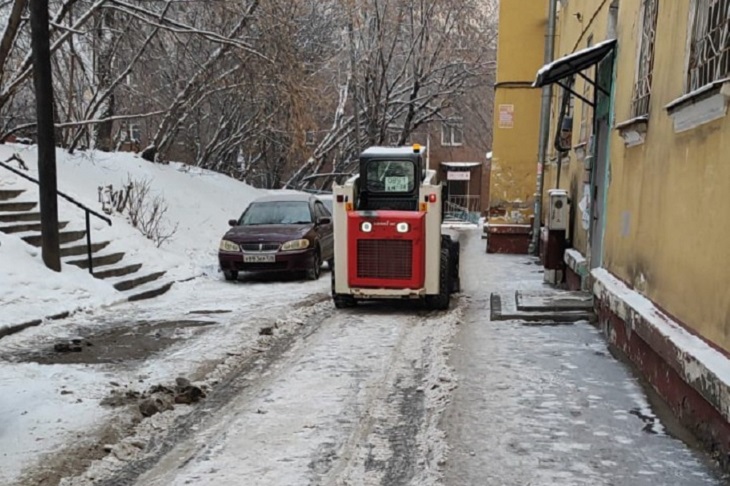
(199, 204)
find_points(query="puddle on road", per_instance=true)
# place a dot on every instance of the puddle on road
(118, 345)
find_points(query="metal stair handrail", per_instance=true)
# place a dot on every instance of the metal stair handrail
(88, 211)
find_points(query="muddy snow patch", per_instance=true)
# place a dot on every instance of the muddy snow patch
(164, 413)
(122, 344)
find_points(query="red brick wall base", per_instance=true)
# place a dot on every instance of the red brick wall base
(687, 404)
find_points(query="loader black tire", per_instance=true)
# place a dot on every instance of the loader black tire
(454, 253)
(455, 277)
(441, 300)
(342, 301)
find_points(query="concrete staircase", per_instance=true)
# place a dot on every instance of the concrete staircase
(19, 216)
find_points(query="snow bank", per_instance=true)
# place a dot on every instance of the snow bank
(200, 203)
(28, 290)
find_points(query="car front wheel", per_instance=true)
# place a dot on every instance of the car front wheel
(314, 272)
(230, 275)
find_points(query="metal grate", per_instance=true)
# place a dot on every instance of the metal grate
(642, 88)
(709, 59)
(386, 259)
(260, 247)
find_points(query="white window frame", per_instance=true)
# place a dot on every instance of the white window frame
(641, 97)
(704, 69)
(131, 129)
(449, 128)
(310, 138)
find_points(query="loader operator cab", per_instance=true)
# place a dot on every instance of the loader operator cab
(390, 181)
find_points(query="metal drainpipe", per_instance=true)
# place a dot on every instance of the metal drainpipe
(547, 93)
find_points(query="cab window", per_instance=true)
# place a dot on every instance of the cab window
(391, 176)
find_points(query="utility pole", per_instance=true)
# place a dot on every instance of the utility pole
(42, 80)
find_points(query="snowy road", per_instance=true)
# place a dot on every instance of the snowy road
(352, 402)
(366, 396)
(52, 421)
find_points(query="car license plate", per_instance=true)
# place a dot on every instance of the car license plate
(259, 258)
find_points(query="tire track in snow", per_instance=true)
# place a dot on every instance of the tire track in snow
(165, 437)
(354, 399)
(399, 441)
(379, 391)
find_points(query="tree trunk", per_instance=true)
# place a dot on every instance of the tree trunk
(43, 82)
(104, 64)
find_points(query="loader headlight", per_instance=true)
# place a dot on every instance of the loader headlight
(402, 227)
(295, 245)
(366, 227)
(228, 246)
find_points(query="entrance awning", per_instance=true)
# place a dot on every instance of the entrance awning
(572, 64)
(461, 165)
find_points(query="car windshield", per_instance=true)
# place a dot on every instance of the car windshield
(391, 176)
(277, 212)
(328, 204)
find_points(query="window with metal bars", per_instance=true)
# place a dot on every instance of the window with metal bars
(642, 88)
(709, 59)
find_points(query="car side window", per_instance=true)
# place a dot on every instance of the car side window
(322, 210)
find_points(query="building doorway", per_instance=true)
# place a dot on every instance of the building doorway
(462, 190)
(599, 174)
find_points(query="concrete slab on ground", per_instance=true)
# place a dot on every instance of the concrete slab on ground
(541, 306)
(553, 300)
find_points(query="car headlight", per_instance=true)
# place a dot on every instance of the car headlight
(366, 227)
(295, 245)
(402, 228)
(229, 246)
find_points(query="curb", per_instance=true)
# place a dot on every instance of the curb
(687, 372)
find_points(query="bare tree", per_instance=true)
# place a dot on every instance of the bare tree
(408, 63)
(268, 92)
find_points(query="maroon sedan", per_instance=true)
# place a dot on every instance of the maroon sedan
(282, 233)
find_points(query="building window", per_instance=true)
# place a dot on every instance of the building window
(642, 88)
(564, 139)
(130, 132)
(709, 59)
(452, 132)
(310, 138)
(135, 133)
(585, 124)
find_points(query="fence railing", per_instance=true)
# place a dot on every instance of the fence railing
(466, 208)
(88, 211)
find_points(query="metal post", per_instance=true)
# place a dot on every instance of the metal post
(42, 80)
(547, 93)
(88, 243)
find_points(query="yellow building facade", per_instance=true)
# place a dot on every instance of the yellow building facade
(579, 25)
(668, 224)
(640, 139)
(516, 112)
(668, 178)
